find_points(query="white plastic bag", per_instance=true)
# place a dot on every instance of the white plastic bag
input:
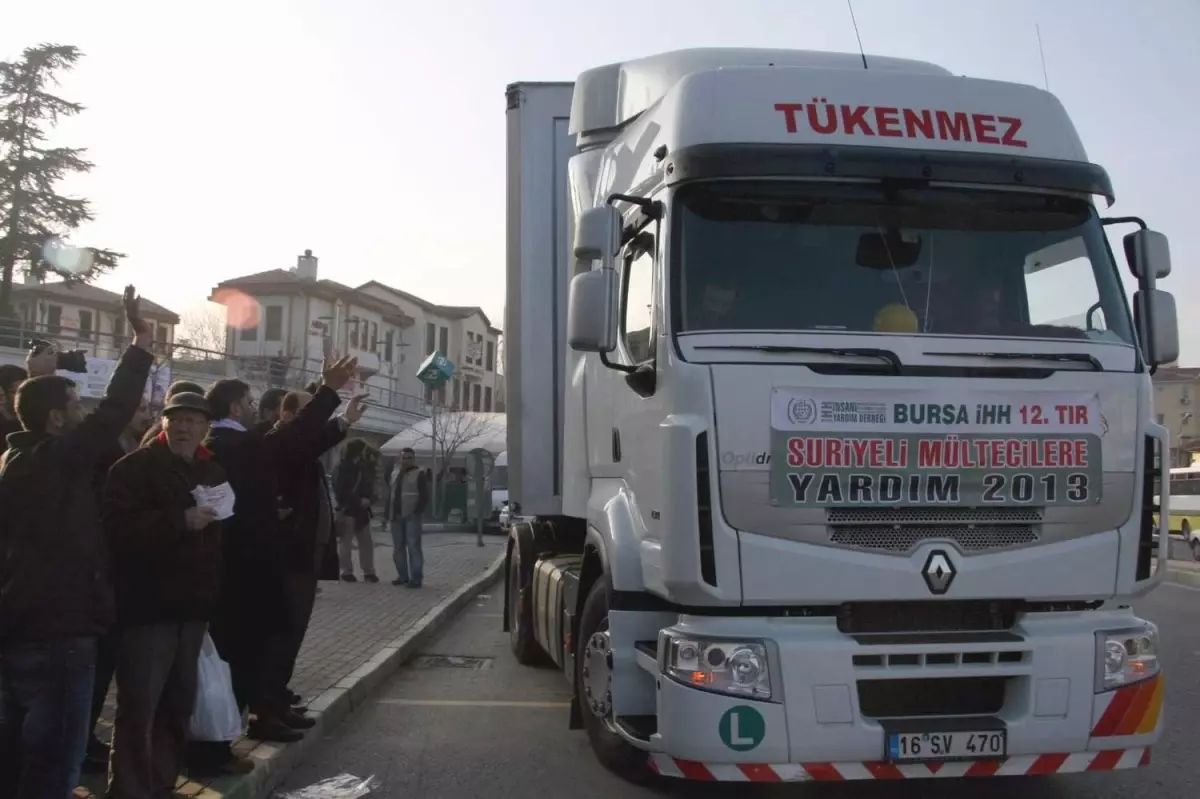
(343, 786)
(215, 716)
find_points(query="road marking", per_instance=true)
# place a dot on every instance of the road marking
(471, 703)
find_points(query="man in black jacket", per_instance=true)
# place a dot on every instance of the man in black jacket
(354, 492)
(253, 607)
(55, 595)
(308, 523)
(166, 553)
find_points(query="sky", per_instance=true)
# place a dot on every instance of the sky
(229, 137)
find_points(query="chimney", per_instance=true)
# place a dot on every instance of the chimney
(306, 266)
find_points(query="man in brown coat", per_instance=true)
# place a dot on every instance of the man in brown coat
(166, 554)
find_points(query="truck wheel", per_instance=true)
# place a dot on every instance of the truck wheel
(593, 688)
(520, 616)
(1195, 545)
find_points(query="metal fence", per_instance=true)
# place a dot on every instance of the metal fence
(201, 365)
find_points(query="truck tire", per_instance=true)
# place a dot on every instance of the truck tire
(520, 615)
(613, 752)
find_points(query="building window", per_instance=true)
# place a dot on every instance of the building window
(1160, 418)
(249, 333)
(444, 340)
(54, 319)
(374, 338)
(487, 399)
(85, 326)
(118, 328)
(389, 345)
(273, 324)
(430, 333)
(457, 393)
(162, 334)
(429, 394)
(442, 395)
(491, 356)
(353, 323)
(476, 396)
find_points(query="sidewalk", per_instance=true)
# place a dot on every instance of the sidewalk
(360, 632)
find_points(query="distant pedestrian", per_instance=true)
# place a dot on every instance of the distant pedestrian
(55, 594)
(166, 553)
(408, 496)
(354, 490)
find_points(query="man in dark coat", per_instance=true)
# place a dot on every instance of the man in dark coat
(178, 387)
(166, 554)
(11, 378)
(253, 607)
(55, 594)
(96, 758)
(308, 521)
(354, 492)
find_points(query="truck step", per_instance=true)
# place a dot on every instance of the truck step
(647, 656)
(640, 727)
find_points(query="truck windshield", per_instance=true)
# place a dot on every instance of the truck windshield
(883, 259)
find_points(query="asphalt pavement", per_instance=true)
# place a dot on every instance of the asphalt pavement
(464, 720)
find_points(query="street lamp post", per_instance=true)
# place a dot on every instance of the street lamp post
(434, 371)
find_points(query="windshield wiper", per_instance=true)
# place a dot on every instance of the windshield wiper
(1061, 357)
(851, 352)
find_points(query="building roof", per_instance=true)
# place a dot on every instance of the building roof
(284, 281)
(1176, 374)
(89, 296)
(448, 311)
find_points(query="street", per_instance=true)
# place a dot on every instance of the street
(479, 725)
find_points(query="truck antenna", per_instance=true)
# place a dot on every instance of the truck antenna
(1042, 53)
(857, 35)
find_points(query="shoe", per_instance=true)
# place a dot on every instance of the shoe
(274, 731)
(236, 766)
(294, 698)
(370, 578)
(399, 582)
(300, 710)
(297, 722)
(95, 758)
(414, 585)
(349, 578)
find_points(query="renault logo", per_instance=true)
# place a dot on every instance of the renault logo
(938, 572)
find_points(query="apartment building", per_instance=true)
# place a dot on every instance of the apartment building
(1176, 397)
(465, 335)
(284, 319)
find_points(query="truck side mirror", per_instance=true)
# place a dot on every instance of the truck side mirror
(1158, 328)
(591, 315)
(1148, 254)
(598, 235)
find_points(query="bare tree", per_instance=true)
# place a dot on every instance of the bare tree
(204, 329)
(447, 434)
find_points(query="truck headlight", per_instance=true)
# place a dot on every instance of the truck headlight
(1125, 657)
(737, 668)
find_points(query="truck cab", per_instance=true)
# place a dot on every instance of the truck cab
(853, 448)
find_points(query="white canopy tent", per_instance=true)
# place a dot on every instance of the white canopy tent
(461, 430)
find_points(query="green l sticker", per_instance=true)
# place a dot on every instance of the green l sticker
(742, 728)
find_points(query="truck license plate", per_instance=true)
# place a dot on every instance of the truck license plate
(904, 747)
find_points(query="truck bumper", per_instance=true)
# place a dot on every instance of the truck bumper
(834, 698)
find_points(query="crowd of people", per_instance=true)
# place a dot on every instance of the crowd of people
(125, 541)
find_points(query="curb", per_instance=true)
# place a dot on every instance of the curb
(1186, 577)
(273, 762)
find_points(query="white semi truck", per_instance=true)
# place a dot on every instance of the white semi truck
(830, 428)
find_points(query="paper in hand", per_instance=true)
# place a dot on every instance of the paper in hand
(220, 498)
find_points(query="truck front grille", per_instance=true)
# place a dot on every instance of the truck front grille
(959, 696)
(940, 616)
(900, 530)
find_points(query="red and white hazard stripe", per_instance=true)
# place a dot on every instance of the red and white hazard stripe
(1024, 765)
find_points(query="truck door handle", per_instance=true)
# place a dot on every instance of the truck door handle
(616, 445)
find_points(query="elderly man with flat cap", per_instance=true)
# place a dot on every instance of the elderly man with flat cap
(165, 538)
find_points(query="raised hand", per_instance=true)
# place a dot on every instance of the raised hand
(142, 334)
(340, 373)
(356, 408)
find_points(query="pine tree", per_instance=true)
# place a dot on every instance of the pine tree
(35, 219)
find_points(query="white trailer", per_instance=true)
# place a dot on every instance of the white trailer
(830, 429)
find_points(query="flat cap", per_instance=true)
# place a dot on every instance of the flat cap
(187, 401)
